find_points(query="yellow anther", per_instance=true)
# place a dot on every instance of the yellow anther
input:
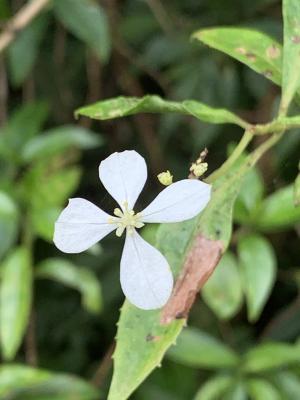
(126, 219)
(130, 230)
(165, 178)
(120, 231)
(199, 169)
(118, 212)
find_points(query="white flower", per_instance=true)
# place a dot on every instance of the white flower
(146, 278)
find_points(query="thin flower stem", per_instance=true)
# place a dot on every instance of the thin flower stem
(265, 146)
(246, 139)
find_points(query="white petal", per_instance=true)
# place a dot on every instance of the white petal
(178, 202)
(124, 176)
(146, 278)
(80, 225)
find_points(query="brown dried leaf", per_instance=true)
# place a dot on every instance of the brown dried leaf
(200, 263)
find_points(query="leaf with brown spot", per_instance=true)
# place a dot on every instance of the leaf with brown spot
(255, 49)
(193, 249)
(200, 263)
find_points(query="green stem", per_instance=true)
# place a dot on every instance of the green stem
(265, 146)
(246, 139)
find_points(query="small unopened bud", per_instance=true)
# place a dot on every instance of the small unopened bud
(199, 169)
(165, 178)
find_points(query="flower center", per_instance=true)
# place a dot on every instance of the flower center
(126, 219)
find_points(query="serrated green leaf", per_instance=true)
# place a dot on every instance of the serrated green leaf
(223, 291)
(197, 349)
(58, 140)
(20, 382)
(255, 49)
(258, 271)
(124, 106)
(143, 343)
(142, 331)
(15, 300)
(261, 389)
(23, 51)
(214, 388)
(9, 218)
(270, 356)
(79, 278)
(87, 21)
(291, 52)
(277, 211)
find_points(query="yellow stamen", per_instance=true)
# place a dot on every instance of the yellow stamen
(165, 178)
(126, 219)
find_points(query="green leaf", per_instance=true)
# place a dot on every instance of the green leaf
(4, 10)
(261, 389)
(9, 218)
(124, 106)
(43, 220)
(291, 52)
(297, 191)
(288, 384)
(58, 140)
(20, 382)
(141, 344)
(197, 349)
(143, 331)
(43, 189)
(22, 53)
(45, 192)
(88, 22)
(79, 278)
(238, 392)
(255, 49)
(223, 291)
(250, 196)
(270, 356)
(258, 270)
(24, 124)
(278, 211)
(214, 388)
(15, 300)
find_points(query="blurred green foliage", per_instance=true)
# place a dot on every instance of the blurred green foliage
(58, 313)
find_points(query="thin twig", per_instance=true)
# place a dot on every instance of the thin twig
(30, 342)
(132, 87)
(20, 21)
(104, 367)
(3, 92)
(161, 15)
(94, 75)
